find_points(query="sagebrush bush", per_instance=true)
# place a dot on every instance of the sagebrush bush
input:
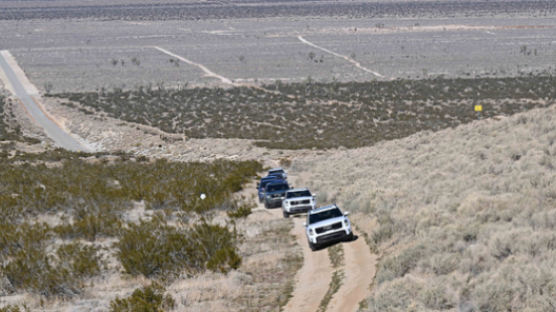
(105, 189)
(321, 115)
(153, 248)
(146, 299)
(27, 265)
(14, 308)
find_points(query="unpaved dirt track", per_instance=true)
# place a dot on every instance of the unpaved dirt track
(20, 86)
(313, 279)
(349, 59)
(359, 271)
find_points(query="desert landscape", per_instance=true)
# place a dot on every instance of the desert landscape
(133, 135)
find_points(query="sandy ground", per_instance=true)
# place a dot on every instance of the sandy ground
(313, 278)
(359, 270)
(211, 291)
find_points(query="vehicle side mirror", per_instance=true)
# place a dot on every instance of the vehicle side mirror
(305, 224)
(346, 213)
(315, 195)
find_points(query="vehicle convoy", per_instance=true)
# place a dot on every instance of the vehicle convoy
(274, 193)
(299, 200)
(262, 184)
(326, 225)
(279, 172)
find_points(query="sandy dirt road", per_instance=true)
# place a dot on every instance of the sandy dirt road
(314, 277)
(359, 269)
(16, 81)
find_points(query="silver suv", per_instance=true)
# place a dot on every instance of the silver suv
(326, 225)
(299, 200)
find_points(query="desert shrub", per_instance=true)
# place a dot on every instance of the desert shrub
(27, 265)
(397, 295)
(147, 299)
(397, 266)
(217, 246)
(385, 229)
(152, 248)
(89, 224)
(10, 131)
(241, 210)
(102, 189)
(14, 308)
(322, 115)
(80, 260)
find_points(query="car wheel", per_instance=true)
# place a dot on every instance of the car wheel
(266, 205)
(286, 215)
(313, 247)
(350, 237)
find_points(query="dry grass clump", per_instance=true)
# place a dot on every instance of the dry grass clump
(466, 216)
(321, 115)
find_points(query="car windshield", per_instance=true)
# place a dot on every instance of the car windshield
(304, 193)
(277, 187)
(276, 171)
(327, 214)
(265, 182)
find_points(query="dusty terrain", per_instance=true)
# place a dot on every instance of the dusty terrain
(458, 219)
(455, 211)
(89, 54)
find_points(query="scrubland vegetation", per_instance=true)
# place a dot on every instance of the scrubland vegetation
(321, 115)
(10, 131)
(195, 10)
(58, 208)
(466, 216)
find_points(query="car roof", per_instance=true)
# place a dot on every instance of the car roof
(298, 189)
(323, 208)
(277, 182)
(276, 169)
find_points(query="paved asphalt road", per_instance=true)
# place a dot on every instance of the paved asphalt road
(52, 130)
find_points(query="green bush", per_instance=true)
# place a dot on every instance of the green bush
(14, 308)
(28, 266)
(147, 299)
(240, 211)
(97, 192)
(152, 248)
(80, 260)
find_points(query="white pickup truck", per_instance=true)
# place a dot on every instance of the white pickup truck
(326, 225)
(298, 200)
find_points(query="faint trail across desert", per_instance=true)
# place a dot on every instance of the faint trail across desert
(208, 72)
(314, 277)
(349, 59)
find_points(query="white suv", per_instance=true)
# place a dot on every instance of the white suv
(327, 224)
(299, 200)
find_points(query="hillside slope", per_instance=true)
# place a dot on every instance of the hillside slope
(466, 216)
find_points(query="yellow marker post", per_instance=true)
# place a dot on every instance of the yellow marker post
(479, 108)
